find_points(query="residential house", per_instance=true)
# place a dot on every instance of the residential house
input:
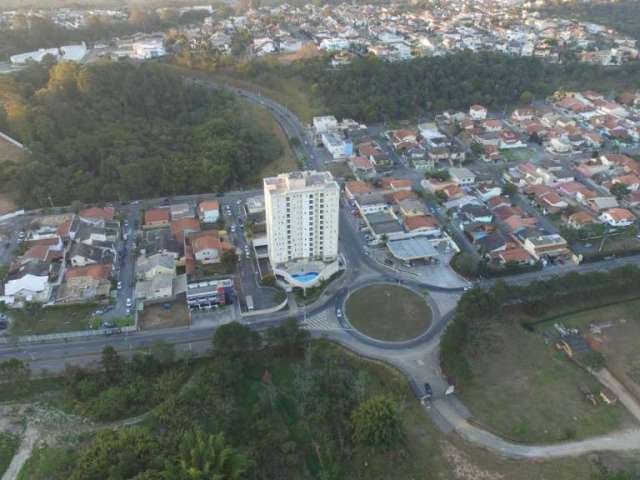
(150, 266)
(97, 215)
(477, 112)
(182, 211)
(156, 218)
(209, 211)
(462, 176)
(617, 217)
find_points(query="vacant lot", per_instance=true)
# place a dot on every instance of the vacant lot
(525, 390)
(618, 338)
(518, 155)
(41, 321)
(388, 312)
(156, 316)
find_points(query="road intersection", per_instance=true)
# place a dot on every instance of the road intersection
(417, 358)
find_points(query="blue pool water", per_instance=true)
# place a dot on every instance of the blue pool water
(306, 277)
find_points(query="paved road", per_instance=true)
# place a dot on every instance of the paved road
(417, 359)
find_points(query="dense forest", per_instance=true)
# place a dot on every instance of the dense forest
(621, 15)
(371, 89)
(116, 131)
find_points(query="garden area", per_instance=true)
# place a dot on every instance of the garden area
(388, 312)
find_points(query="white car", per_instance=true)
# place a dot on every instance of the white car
(339, 313)
(128, 303)
(233, 229)
(119, 285)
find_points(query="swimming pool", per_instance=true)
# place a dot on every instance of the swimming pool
(305, 277)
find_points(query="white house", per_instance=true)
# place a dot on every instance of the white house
(477, 112)
(462, 176)
(327, 123)
(338, 147)
(149, 48)
(209, 211)
(28, 288)
(617, 217)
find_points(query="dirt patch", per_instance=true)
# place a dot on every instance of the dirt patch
(308, 50)
(156, 316)
(7, 204)
(463, 468)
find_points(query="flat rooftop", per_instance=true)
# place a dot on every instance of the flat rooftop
(413, 248)
(299, 180)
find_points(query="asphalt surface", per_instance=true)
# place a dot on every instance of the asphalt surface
(417, 358)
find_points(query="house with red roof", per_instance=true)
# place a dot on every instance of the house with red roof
(156, 218)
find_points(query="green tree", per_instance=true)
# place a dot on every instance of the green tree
(509, 189)
(229, 260)
(111, 364)
(162, 351)
(619, 190)
(235, 339)
(288, 337)
(377, 423)
(208, 457)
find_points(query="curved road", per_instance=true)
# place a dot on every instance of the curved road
(418, 358)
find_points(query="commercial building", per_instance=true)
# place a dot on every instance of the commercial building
(302, 212)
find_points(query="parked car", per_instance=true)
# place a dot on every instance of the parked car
(119, 285)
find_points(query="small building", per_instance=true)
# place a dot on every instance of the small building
(209, 211)
(462, 176)
(477, 112)
(575, 346)
(156, 218)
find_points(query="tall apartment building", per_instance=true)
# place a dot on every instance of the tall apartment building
(302, 211)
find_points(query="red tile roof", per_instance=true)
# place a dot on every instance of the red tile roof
(97, 272)
(156, 215)
(420, 221)
(98, 213)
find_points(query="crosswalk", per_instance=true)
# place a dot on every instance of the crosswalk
(321, 321)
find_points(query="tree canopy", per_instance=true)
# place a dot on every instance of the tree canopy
(115, 131)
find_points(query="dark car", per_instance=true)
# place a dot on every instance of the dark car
(428, 392)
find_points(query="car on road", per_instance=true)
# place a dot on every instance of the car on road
(119, 285)
(338, 313)
(233, 229)
(128, 302)
(428, 391)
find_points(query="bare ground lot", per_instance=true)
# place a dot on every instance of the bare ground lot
(156, 316)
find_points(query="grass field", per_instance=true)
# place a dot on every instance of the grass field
(8, 447)
(618, 339)
(388, 312)
(51, 320)
(518, 154)
(524, 389)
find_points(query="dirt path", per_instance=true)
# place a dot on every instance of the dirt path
(625, 397)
